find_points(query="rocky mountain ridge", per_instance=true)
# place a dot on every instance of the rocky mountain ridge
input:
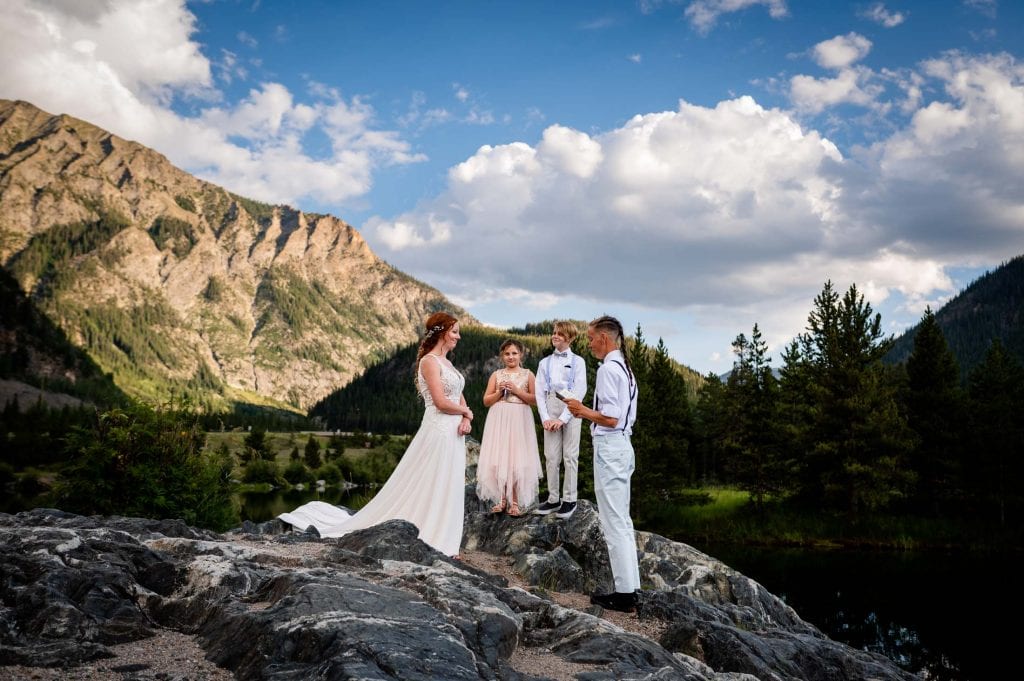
(179, 288)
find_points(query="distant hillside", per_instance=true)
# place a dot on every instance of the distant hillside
(384, 399)
(991, 307)
(35, 352)
(179, 289)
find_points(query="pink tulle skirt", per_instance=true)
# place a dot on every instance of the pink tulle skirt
(509, 458)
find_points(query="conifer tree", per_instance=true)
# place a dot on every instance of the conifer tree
(312, 453)
(857, 440)
(752, 440)
(712, 423)
(997, 404)
(665, 425)
(936, 412)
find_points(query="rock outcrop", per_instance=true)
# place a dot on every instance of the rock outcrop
(380, 604)
(175, 285)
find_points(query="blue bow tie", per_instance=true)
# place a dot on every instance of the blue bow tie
(561, 354)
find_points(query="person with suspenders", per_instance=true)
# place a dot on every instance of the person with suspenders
(564, 371)
(612, 418)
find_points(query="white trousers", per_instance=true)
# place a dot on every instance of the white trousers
(562, 446)
(614, 462)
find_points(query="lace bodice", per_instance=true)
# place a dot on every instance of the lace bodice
(451, 381)
(521, 377)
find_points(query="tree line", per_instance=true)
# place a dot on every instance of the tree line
(837, 429)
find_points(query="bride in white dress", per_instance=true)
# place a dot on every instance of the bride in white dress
(427, 486)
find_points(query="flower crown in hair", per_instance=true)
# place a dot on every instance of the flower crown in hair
(434, 329)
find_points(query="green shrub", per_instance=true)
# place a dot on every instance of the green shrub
(297, 472)
(29, 484)
(140, 461)
(6, 474)
(329, 473)
(185, 203)
(261, 470)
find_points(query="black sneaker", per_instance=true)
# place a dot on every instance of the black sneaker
(566, 509)
(547, 507)
(622, 602)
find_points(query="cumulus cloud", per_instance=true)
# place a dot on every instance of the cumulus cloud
(123, 65)
(849, 86)
(880, 15)
(704, 14)
(841, 51)
(735, 213)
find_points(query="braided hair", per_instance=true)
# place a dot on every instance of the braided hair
(613, 327)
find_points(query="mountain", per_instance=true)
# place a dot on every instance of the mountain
(180, 289)
(991, 307)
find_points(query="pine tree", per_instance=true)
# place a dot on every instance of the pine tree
(712, 424)
(997, 432)
(312, 453)
(752, 441)
(666, 429)
(858, 440)
(936, 412)
(256, 447)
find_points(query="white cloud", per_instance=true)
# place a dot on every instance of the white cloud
(986, 7)
(880, 15)
(635, 58)
(841, 51)
(598, 24)
(247, 40)
(122, 65)
(850, 86)
(736, 213)
(704, 14)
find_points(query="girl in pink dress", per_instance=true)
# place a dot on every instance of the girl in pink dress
(509, 469)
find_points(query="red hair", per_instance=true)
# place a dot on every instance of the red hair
(437, 325)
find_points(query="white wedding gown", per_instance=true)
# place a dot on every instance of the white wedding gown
(427, 487)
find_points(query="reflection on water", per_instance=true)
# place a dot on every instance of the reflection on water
(261, 506)
(932, 613)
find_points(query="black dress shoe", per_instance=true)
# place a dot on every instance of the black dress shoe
(622, 602)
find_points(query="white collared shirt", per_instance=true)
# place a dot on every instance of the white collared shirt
(615, 395)
(560, 369)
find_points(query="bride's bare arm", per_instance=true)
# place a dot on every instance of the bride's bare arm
(431, 370)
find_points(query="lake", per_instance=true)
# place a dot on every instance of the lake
(939, 613)
(261, 506)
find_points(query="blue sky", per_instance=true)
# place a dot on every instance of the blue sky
(694, 166)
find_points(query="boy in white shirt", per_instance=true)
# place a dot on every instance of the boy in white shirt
(566, 372)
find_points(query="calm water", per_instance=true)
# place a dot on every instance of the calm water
(938, 613)
(257, 506)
